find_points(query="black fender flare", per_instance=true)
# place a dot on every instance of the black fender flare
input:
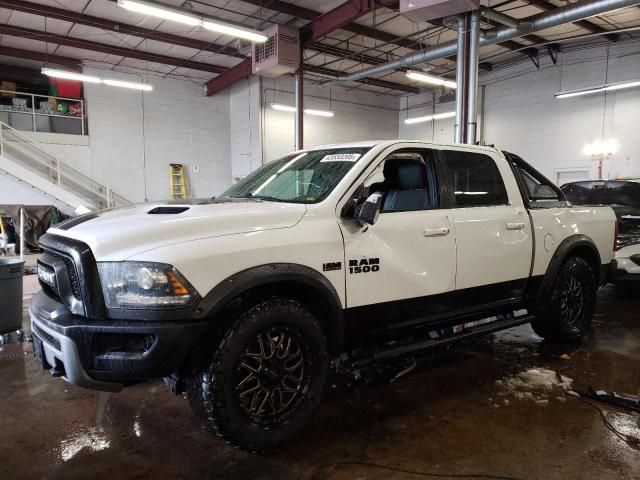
(263, 275)
(564, 250)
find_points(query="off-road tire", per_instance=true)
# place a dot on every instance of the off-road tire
(212, 385)
(566, 314)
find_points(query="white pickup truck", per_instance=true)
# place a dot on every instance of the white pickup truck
(338, 255)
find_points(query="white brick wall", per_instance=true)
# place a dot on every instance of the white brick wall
(175, 123)
(522, 114)
(245, 119)
(359, 115)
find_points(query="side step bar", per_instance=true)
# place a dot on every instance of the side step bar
(363, 358)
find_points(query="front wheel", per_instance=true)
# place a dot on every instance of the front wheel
(263, 382)
(567, 313)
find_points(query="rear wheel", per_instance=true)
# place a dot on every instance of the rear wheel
(262, 383)
(568, 311)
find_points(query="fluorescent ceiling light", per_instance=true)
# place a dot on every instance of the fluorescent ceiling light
(235, 31)
(319, 113)
(428, 118)
(80, 77)
(411, 121)
(136, 86)
(431, 79)
(308, 111)
(167, 12)
(160, 11)
(51, 72)
(440, 116)
(284, 108)
(598, 89)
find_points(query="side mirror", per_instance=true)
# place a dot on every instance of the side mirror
(367, 213)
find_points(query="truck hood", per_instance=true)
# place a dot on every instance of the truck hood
(120, 233)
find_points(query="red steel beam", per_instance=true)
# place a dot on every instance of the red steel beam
(336, 19)
(39, 56)
(309, 14)
(115, 26)
(318, 27)
(108, 49)
(231, 76)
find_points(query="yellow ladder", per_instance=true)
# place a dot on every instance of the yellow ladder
(177, 185)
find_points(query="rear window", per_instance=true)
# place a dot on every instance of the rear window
(475, 179)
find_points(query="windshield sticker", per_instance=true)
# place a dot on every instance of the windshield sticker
(341, 157)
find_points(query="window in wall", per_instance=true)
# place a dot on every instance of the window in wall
(475, 179)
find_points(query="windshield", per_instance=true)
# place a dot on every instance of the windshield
(302, 177)
(603, 193)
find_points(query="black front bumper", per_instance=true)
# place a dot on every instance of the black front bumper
(108, 354)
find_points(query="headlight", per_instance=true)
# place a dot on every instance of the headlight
(143, 285)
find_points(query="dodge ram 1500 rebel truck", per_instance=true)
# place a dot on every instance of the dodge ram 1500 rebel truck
(340, 255)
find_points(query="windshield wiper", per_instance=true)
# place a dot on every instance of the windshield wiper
(259, 197)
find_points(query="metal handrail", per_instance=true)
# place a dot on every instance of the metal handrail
(61, 170)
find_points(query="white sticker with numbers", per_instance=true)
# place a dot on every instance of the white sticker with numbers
(341, 157)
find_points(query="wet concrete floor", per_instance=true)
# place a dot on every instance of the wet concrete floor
(460, 412)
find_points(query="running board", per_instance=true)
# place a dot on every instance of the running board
(361, 358)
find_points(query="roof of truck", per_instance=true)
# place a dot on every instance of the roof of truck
(373, 143)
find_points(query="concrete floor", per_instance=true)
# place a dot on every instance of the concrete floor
(453, 414)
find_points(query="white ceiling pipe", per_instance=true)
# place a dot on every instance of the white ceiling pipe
(558, 16)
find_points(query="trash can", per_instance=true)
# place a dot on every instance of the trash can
(11, 271)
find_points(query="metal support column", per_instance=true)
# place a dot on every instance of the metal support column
(471, 86)
(459, 135)
(299, 94)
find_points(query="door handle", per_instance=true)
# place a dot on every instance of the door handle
(515, 226)
(436, 232)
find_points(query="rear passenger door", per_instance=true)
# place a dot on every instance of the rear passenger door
(493, 230)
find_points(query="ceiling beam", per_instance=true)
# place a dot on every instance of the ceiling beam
(591, 27)
(336, 19)
(309, 14)
(40, 57)
(115, 26)
(22, 32)
(231, 76)
(315, 29)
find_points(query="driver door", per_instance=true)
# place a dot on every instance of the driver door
(401, 270)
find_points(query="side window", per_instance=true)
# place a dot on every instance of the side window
(407, 181)
(536, 190)
(475, 179)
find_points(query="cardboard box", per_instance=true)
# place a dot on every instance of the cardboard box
(10, 88)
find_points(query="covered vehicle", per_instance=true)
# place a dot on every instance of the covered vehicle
(624, 197)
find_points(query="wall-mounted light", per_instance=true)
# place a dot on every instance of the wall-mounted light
(430, 79)
(308, 111)
(609, 146)
(598, 89)
(167, 12)
(429, 118)
(80, 77)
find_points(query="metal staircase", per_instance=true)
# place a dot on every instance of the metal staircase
(24, 158)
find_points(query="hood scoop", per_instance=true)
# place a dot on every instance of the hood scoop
(167, 210)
